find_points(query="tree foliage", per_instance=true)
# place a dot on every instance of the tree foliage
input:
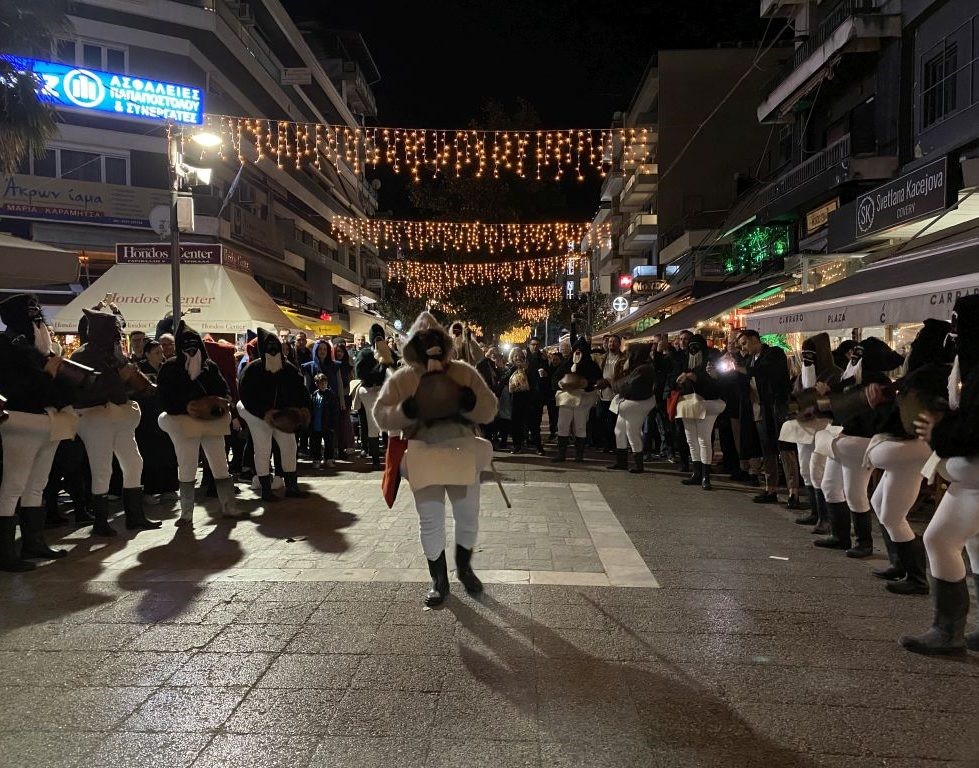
(26, 123)
(398, 305)
(588, 311)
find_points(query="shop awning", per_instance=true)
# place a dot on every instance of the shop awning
(215, 298)
(314, 327)
(716, 304)
(644, 316)
(903, 289)
(26, 264)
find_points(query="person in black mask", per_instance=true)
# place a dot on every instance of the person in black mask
(953, 435)
(109, 417)
(275, 404)
(196, 414)
(39, 417)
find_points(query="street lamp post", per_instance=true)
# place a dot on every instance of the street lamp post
(172, 157)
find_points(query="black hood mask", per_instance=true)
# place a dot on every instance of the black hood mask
(270, 349)
(190, 347)
(104, 333)
(22, 315)
(929, 345)
(873, 356)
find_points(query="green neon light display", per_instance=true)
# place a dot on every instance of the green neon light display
(753, 247)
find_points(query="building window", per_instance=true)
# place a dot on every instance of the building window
(79, 165)
(93, 55)
(938, 80)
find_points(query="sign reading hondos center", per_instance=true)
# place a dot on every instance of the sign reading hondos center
(120, 94)
(918, 193)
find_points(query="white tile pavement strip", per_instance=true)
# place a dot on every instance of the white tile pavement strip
(555, 533)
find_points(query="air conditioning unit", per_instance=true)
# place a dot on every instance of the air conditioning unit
(245, 14)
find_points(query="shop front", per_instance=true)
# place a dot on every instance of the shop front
(218, 293)
(888, 299)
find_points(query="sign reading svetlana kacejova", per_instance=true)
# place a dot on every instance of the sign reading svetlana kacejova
(921, 192)
(120, 94)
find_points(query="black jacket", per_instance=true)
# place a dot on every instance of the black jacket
(771, 374)
(371, 371)
(24, 383)
(587, 368)
(957, 434)
(176, 389)
(262, 391)
(637, 383)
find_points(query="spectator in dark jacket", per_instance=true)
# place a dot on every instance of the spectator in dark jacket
(634, 385)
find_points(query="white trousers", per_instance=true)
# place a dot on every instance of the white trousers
(28, 452)
(262, 435)
(628, 426)
(805, 451)
(817, 468)
(368, 396)
(832, 482)
(430, 503)
(850, 452)
(700, 432)
(109, 431)
(900, 484)
(956, 522)
(567, 414)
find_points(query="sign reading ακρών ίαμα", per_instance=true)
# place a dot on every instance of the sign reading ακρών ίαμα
(123, 95)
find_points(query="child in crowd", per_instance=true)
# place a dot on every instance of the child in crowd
(322, 426)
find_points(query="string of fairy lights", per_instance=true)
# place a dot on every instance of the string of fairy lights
(516, 278)
(466, 236)
(538, 154)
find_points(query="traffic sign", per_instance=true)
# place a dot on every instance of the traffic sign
(620, 304)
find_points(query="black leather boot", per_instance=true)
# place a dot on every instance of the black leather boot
(100, 510)
(562, 450)
(913, 562)
(465, 572)
(132, 505)
(32, 543)
(947, 634)
(864, 528)
(822, 514)
(374, 445)
(579, 450)
(696, 475)
(79, 503)
(266, 482)
(293, 491)
(52, 515)
(439, 588)
(637, 464)
(895, 570)
(621, 459)
(839, 523)
(10, 560)
(972, 638)
(813, 517)
(705, 478)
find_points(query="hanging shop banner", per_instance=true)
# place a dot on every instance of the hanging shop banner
(916, 194)
(124, 95)
(159, 253)
(908, 304)
(817, 218)
(37, 197)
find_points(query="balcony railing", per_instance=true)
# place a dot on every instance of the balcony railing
(833, 20)
(833, 155)
(253, 43)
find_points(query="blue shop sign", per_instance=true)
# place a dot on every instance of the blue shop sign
(124, 95)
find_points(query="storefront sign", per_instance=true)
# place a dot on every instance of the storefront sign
(648, 286)
(912, 196)
(235, 260)
(159, 253)
(36, 197)
(817, 218)
(123, 95)
(916, 303)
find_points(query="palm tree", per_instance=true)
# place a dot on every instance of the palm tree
(26, 122)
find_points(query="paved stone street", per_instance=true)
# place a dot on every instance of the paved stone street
(627, 621)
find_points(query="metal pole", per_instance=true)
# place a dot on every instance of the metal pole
(174, 230)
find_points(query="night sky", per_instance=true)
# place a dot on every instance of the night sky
(575, 62)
